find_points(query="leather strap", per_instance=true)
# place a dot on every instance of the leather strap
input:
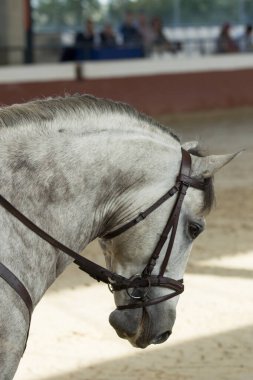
(151, 302)
(94, 270)
(142, 215)
(184, 176)
(17, 285)
(21, 290)
(172, 223)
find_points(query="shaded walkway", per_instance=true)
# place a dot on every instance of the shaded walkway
(186, 361)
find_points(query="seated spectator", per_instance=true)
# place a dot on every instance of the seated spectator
(246, 40)
(129, 32)
(225, 43)
(84, 41)
(159, 42)
(107, 36)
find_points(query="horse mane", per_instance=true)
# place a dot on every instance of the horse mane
(48, 109)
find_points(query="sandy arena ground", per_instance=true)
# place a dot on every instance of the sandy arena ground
(213, 337)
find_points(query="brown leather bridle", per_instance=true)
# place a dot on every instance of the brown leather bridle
(139, 283)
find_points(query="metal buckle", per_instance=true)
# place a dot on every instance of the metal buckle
(110, 284)
(110, 288)
(136, 297)
(139, 218)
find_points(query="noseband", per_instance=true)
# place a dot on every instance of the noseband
(139, 283)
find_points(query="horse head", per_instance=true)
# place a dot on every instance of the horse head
(128, 252)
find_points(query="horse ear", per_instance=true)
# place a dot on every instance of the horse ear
(205, 167)
(190, 145)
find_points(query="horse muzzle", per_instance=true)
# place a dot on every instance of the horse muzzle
(141, 327)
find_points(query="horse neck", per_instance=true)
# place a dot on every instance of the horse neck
(75, 188)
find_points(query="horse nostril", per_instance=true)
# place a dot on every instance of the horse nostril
(126, 324)
(161, 338)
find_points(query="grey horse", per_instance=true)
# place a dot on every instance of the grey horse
(80, 167)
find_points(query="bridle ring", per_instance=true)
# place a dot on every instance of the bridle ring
(143, 296)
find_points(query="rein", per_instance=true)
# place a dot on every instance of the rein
(116, 282)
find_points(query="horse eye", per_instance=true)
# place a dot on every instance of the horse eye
(194, 230)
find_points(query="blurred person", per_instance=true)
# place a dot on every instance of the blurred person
(160, 43)
(84, 41)
(246, 40)
(225, 43)
(145, 32)
(129, 31)
(107, 36)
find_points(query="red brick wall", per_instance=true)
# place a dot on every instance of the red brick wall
(156, 95)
